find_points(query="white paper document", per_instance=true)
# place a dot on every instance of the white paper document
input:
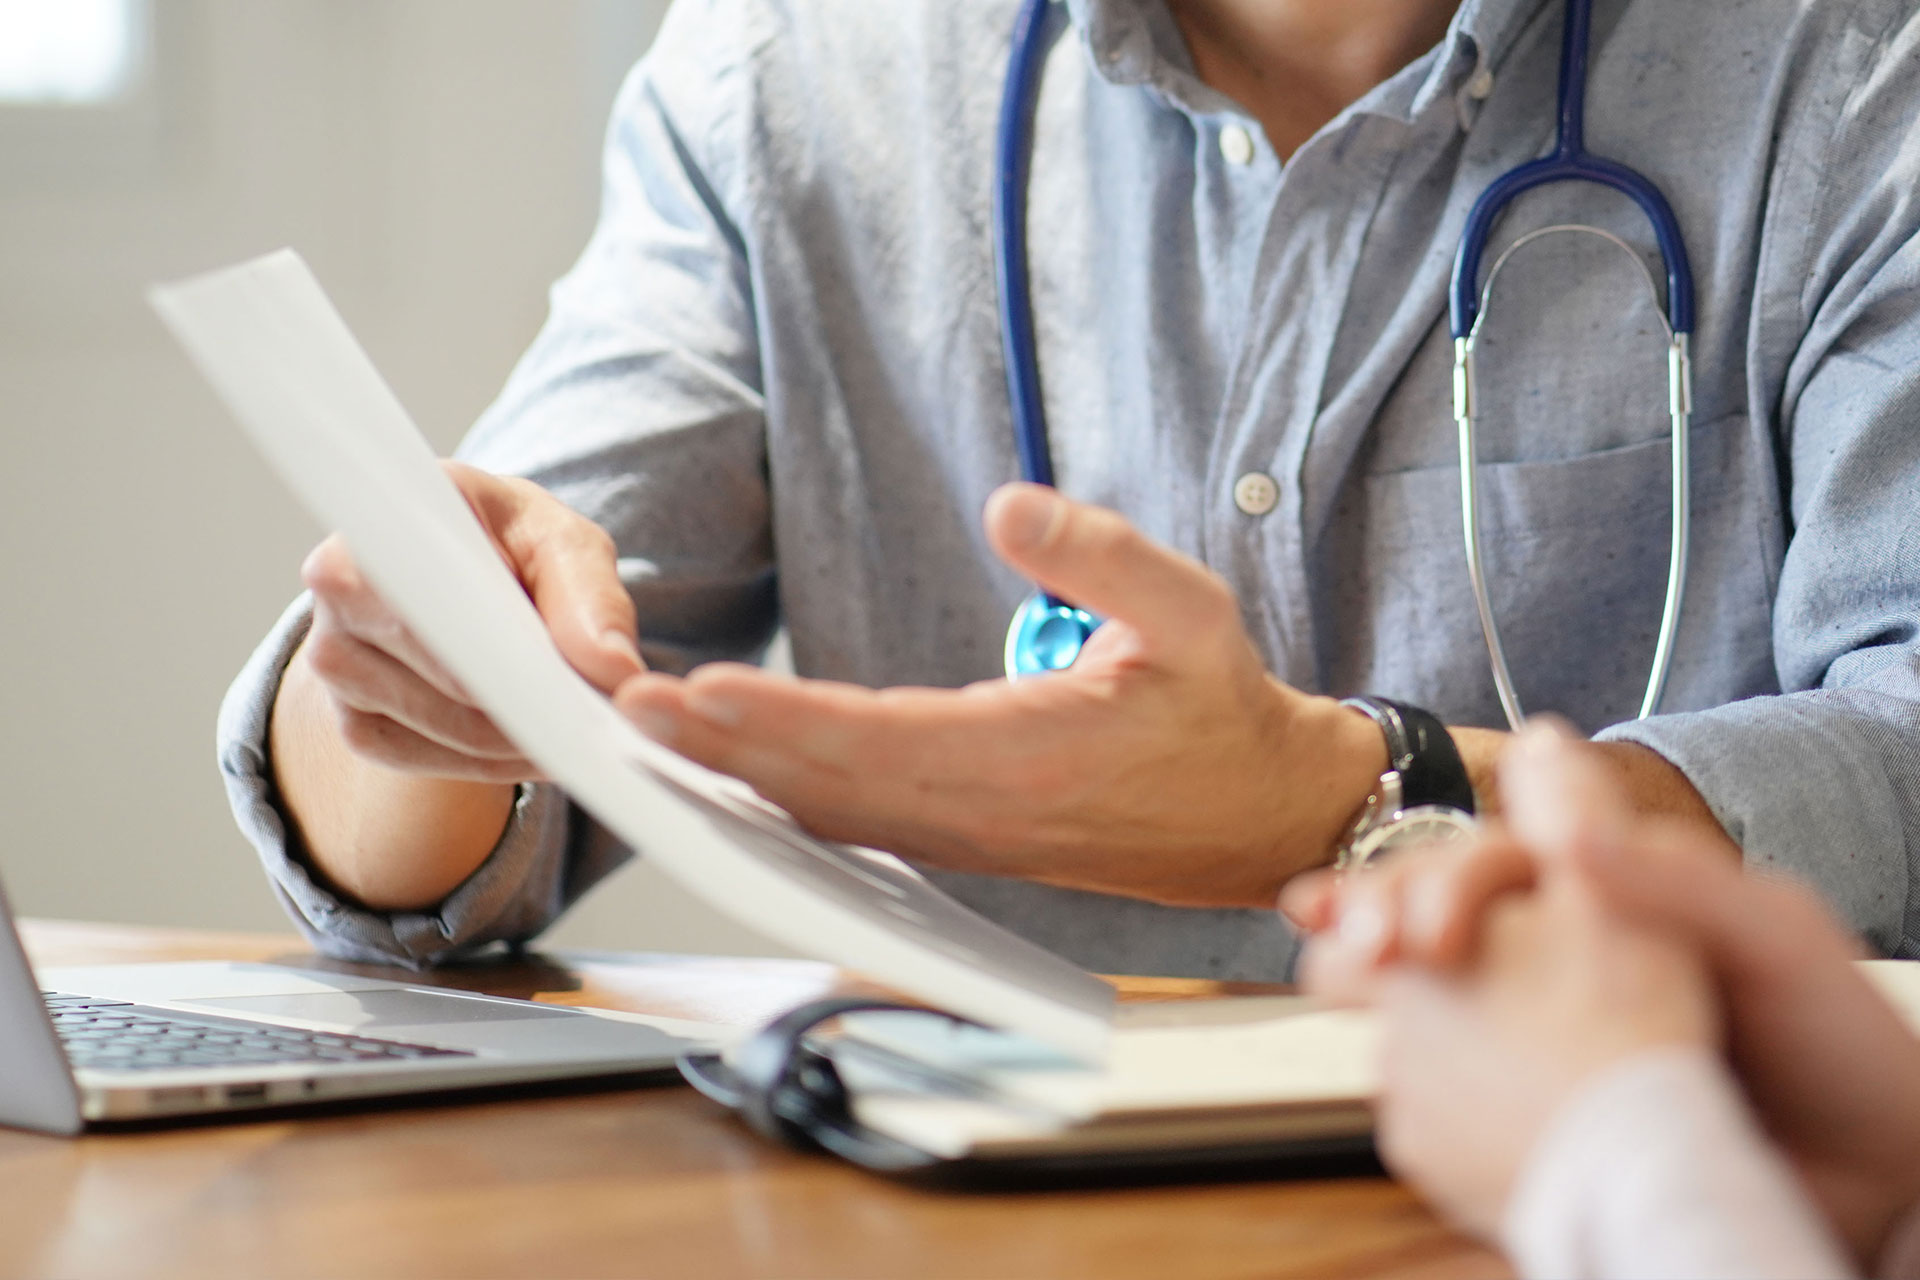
(272, 345)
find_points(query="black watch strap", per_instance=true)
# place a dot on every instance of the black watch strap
(1422, 752)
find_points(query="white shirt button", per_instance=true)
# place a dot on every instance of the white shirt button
(1256, 493)
(1480, 88)
(1236, 145)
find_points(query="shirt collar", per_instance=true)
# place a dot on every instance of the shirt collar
(1478, 40)
(1137, 42)
(1126, 38)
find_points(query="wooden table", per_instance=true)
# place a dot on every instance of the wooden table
(637, 1182)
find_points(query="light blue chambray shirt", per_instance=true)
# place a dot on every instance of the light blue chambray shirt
(775, 376)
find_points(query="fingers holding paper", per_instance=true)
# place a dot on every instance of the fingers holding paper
(396, 785)
(1166, 764)
(394, 704)
(568, 565)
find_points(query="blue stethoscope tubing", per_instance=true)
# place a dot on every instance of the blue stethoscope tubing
(1046, 633)
(1570, 161)
(1013, 160)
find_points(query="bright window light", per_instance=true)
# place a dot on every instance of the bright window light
(68, 52)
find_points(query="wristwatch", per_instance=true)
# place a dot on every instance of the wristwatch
(1424, 797)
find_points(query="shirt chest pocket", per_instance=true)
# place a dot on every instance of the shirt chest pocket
(1576, 555)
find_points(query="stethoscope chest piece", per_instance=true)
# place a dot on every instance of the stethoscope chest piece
(1046, 635)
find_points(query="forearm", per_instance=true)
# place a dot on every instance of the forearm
(1656, 787)
(389, 840)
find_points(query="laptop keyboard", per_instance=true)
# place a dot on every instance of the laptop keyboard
(119, 1036)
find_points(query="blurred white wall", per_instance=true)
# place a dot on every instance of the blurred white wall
(436, 162)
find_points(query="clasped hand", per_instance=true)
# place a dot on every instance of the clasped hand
(1581, 934)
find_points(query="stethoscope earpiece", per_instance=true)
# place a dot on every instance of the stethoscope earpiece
(1046, 635)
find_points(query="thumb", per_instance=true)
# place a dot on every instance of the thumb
(1574, 816)
(570, 568)
(574, 582)
(1558, 799)
(1093, 558)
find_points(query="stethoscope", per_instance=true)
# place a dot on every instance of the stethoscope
(1047, 633)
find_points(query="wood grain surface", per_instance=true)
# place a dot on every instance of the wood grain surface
(628, 1182)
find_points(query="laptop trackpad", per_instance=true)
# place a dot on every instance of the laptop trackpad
(390, 1007)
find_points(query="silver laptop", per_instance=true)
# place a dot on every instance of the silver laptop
(126, 1042)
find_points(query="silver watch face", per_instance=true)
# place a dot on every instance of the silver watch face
(1429, 824)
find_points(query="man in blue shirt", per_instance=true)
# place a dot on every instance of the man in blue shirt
(772, 392)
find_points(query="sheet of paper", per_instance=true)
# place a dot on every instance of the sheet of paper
(957, 1127)
(1899, 982)
(276, 350)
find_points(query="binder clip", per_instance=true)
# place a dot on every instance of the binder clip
(790, 1091)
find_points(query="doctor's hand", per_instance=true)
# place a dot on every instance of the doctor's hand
(397, 785)
(1166, 764)
(395, 705)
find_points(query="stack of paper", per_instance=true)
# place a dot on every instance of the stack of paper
(1212, 1074)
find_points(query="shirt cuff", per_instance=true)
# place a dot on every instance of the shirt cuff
(1656, 1168)
(510, 897)
(1801, 782)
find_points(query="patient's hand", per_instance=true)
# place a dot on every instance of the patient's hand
(1827, 1064)
(1477, 1062)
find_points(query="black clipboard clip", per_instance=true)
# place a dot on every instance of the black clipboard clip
(788, 1090)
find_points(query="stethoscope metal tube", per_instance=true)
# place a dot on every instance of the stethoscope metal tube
(1680, 413)
(1570, 161)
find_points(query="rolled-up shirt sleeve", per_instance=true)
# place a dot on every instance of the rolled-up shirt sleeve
(524, 883)
(639, 405)
(1823, 780)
